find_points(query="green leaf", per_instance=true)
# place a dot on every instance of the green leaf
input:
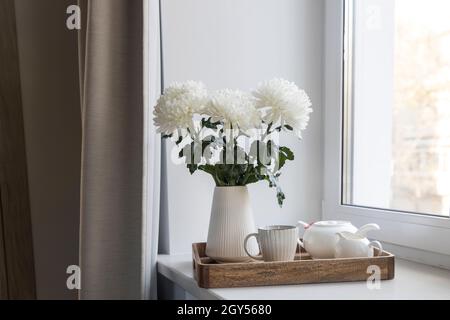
(254, 177)
(208, 168)
(206, 123)
(206, 142)
(288, 152)
(288, 127)
(284, 154)
(280, 198)
(192, 168)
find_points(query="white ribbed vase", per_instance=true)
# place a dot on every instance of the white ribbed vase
(231, 221)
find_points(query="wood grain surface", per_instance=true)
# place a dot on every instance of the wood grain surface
(17, 279)
(303, 270)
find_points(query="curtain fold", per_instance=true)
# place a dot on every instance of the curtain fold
(118, 212)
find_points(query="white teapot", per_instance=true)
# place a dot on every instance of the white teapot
(320, 238)
(356, 245)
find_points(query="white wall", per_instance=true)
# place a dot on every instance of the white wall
(236, 44)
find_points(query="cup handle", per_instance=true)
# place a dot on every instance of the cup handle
(377, 245)
(245, 246)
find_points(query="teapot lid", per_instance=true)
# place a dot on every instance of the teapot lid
(331, 223)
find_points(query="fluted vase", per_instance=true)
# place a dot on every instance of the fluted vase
(231, 221)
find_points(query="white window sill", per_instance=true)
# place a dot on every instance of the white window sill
(412, 281)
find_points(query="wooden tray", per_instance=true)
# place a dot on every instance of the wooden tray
(210, 274)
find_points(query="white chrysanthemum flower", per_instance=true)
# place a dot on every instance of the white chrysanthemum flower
(283, 103)
(177, 106)
(236, 109)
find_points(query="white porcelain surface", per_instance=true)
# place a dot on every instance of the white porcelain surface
(319, 239)
(355, 245)
(277, 243)
(362, 232)
(231, 221)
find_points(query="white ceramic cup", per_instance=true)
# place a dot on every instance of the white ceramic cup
(276, 243)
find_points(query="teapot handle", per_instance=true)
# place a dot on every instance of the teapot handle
(305, 226)
(366, 228)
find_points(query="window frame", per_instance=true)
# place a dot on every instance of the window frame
(398, 229)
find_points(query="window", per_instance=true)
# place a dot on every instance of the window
(397, 105)
(387, 120)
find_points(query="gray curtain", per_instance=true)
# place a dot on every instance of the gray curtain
(117, 240)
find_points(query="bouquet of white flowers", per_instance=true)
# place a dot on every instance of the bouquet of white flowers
(231, 134)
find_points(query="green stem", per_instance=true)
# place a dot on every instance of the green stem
(219, 182)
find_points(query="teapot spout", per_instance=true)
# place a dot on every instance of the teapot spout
(366, 228)
(303, 224)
